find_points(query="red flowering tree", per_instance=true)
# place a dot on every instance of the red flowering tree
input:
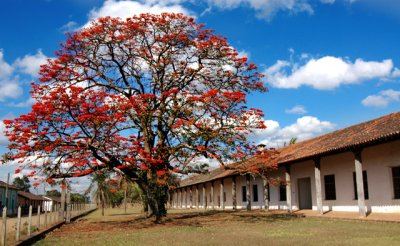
(145, 97)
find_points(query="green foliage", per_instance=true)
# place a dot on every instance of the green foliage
(54, 193)
(79, 198)
(291, 141)
(109, 191)
(22, 183)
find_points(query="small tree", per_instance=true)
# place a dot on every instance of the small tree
(79, 198)
(147, 97)
(54, 193)
(22, 183)
(102, 191)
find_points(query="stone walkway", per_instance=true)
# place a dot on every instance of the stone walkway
(390, 217)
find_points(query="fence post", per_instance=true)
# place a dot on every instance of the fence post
(38, 217)
(18, 236)
(45, 218)
(53, 213)
(4, 231)
(29, 220)
(68, 202)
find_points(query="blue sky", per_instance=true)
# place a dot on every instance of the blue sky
(329, 64)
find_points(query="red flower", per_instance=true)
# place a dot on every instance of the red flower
(161, 172)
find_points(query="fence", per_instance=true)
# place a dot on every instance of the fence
(15, 229)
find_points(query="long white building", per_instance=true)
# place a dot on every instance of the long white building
(352, 169)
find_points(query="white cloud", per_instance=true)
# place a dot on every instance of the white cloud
(326, 73)
(298, 109)
(328, 1)
(30, 64)
(265, 9)
(9, 84)
(70, 26)
(304, 128)
(24, 104)
(244, 53)
(9, 89)
(388, 7)
(382, 99)
(396, 73)
(3, 138)
(128, 8)
(5, 68)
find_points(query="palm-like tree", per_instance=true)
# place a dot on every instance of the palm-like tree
(102, 195)
(291, 141)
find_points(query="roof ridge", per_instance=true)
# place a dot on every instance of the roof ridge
(379, 130)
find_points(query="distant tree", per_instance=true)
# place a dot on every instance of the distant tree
(79, 198)
(22, 183)
(100, 184)
(54, 193)
(291, 141)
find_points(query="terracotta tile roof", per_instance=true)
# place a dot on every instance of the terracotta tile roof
(365, 134)
(3, 184)
(30, 196)
(212, 175)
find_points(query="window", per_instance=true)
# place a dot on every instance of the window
(396, 182)
(255, 193)
(210, 198)
(244, 195)
(224, 196)
(330, 190)
(365, 184)
(282, 192)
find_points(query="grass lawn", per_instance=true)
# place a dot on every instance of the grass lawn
(184, 227)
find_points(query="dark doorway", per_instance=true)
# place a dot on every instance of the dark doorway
(304, 186)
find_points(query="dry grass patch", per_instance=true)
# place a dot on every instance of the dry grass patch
(221, 228)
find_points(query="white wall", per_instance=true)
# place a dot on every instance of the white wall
(377, 161)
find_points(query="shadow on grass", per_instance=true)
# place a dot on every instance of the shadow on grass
(270, 217)
(198, 219)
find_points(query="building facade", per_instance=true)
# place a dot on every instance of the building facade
(27, 199)
(51, 203)
(11, 201)
(355, 169)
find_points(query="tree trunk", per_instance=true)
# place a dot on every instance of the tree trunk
(125, 191)
(102, 203)
(156, 199)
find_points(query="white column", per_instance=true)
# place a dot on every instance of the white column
(222, 195)
(266, 193)
(204, 196)
(248, 195)
(360, 184)
(317, 172)
(234, 203)
(288, 189)
(197, 197)
(212, 195)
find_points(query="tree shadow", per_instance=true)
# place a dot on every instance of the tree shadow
(199, 219)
